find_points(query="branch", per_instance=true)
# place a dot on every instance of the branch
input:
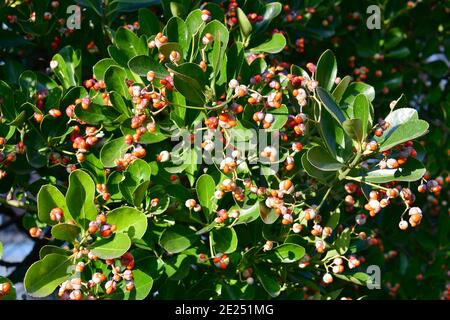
(9, 264)
(17, 204)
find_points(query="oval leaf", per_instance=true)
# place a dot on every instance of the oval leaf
(322, 160)
(285, 253)
(49, 197)
(129, 220)
(80, 198)
(326, 70)
(65, 231)
(45, 275)
(112, 150)
(111, 248)
(205, 188)
(177, 239)
(274, 45)
(224, 240)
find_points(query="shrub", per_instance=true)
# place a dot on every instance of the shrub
(193, 159)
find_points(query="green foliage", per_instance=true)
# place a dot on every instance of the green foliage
(154, 141)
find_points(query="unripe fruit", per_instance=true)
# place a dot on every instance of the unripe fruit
(175, 56)
(207, 39)
(393, 193)
(79, 267)
(4, 289)
(54, 113)
(310, 214)
(297, 228)
(129, 285)
(106, 230)
(268, 246)
(415, 211)
(110, 287)
(190, 203)
(392, 163)
(56, 214)
(206, 15)
(403, 225)
(233, 84)
(422, 188)
(327, 278)
(36, 232)
(151, 75)
(76, 295)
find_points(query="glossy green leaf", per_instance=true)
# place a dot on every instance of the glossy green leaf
(327, 129)
(322, 160)
(119, 104)
(361, 110)
(48, 249)
(189, 79)
(68, 68)
(326, 70)
(274, 45)
(96, 114)
(330, 105)
(248, 214)
(135, 183)
(115, 80)
(338, 92)
(48, 198)
(130, 43)
(205, 188)
(398, 53)
(194, 22)
(285, 253)
(101, 66)
(177, 31)
(359, 278)
(45, 275)
(208, 228)
(333, 221)
(342, 243)
(80, 198)
(113, 247)
(412, 170)
(354, 129)
(177, 239)
(148, 22)
(407, 131)
(66, 232)
(216, 56)
(399, 117)
(271, 11)
(280, 117)
(354, 89)
(177, 268)
(268, 280)
(244, 23)
(129, 220)
(7, 102)
(315, 172)
(113, 150)
(95, 167)
(142, 64)
(224, 240)
(268, 215)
